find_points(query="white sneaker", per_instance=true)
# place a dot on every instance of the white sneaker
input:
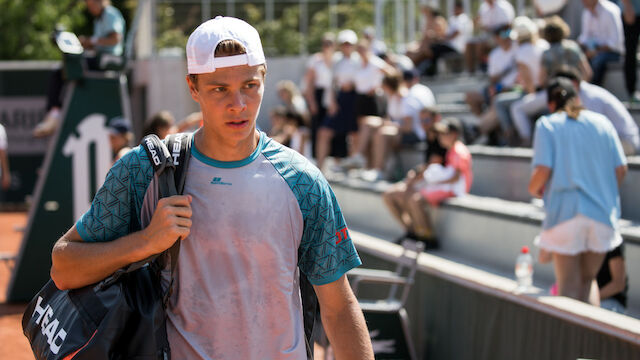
(49, 124)
(353, 162)
(372, 175)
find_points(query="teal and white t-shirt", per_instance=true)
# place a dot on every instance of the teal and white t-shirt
(256, 223)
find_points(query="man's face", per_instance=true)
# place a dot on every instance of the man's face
(94, 7)
(427, 119)
(230, 99)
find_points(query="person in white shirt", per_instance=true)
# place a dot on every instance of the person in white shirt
(492, 15)
(4, 160)
(317, 83)
(602, 38)
(459, 31)
(400, 126)
(503, 72)
(528, 62)
(341, 110)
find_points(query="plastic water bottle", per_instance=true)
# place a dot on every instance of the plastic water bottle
(524, 270)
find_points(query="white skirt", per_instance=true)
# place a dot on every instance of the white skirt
(579, 234)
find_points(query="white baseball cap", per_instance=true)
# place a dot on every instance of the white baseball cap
(347, 36)
(205, 38)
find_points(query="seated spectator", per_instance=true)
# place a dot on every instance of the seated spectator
(602, 38)
(503, 73)
(401, 126)
(431, 183)
(290, 129)
(562, 54)
(435, 30)
(613, 281)
(631, 26)
(579, 182)
(599, 100)
(378, 47)
(492, 15)
(107, 38)
(120, 137)
(528, 61)
(367, 80)
(161, 123)
(292, 99)
(459, 31)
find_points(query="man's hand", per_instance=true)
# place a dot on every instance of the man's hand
(170, 221)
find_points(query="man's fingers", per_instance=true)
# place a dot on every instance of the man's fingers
(182, 222)
(182, 211)
(176, 200)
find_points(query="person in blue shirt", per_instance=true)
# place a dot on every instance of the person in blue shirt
(578, 166)
(107, 38)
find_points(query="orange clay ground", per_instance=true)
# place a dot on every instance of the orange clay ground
(13, 345)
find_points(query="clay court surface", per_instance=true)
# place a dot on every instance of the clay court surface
(13, 345)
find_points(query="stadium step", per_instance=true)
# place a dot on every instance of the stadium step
(484, 231)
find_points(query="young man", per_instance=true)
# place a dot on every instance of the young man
(267, 214)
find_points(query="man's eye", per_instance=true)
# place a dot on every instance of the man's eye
(251, 85)
(219, 89)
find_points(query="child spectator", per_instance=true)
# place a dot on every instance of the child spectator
(431, 183)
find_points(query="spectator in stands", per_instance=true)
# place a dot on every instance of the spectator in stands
(578, 168)
(292, 99)
(368, 80)
(613, 281)
(492, 15)
(435, 31)
(341, 115)
(503, 73)
(406, 98)
(318, 81)
(459, 31)
(397, 197)
(631, 26)
(108, 38)
(161, 123)
(120, 137)
(562, 54)
(528, 61)
(599, 100)
(602, 37)
(378, 47)
(441, 182)
(5, 174)
(290, 129)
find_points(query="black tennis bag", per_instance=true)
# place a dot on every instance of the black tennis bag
(123, 316)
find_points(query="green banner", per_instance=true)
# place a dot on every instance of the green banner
(78, 160)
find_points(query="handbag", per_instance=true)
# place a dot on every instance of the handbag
(124, 315)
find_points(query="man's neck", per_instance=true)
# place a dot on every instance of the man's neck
(222, 149)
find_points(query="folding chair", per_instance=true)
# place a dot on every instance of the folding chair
(387, 318)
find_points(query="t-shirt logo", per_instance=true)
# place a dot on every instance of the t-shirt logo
(218, 181)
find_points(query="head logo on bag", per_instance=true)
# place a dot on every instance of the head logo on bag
(49, 328)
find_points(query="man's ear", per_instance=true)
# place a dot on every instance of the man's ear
(193, 88)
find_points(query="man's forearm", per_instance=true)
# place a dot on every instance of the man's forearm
(76, 263)
(348, 334)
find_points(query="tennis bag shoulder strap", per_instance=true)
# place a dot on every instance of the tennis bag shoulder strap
(122, 316)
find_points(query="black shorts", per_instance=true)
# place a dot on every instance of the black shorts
(367, 105)
(344, 121)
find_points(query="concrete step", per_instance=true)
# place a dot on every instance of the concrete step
(485, 231)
